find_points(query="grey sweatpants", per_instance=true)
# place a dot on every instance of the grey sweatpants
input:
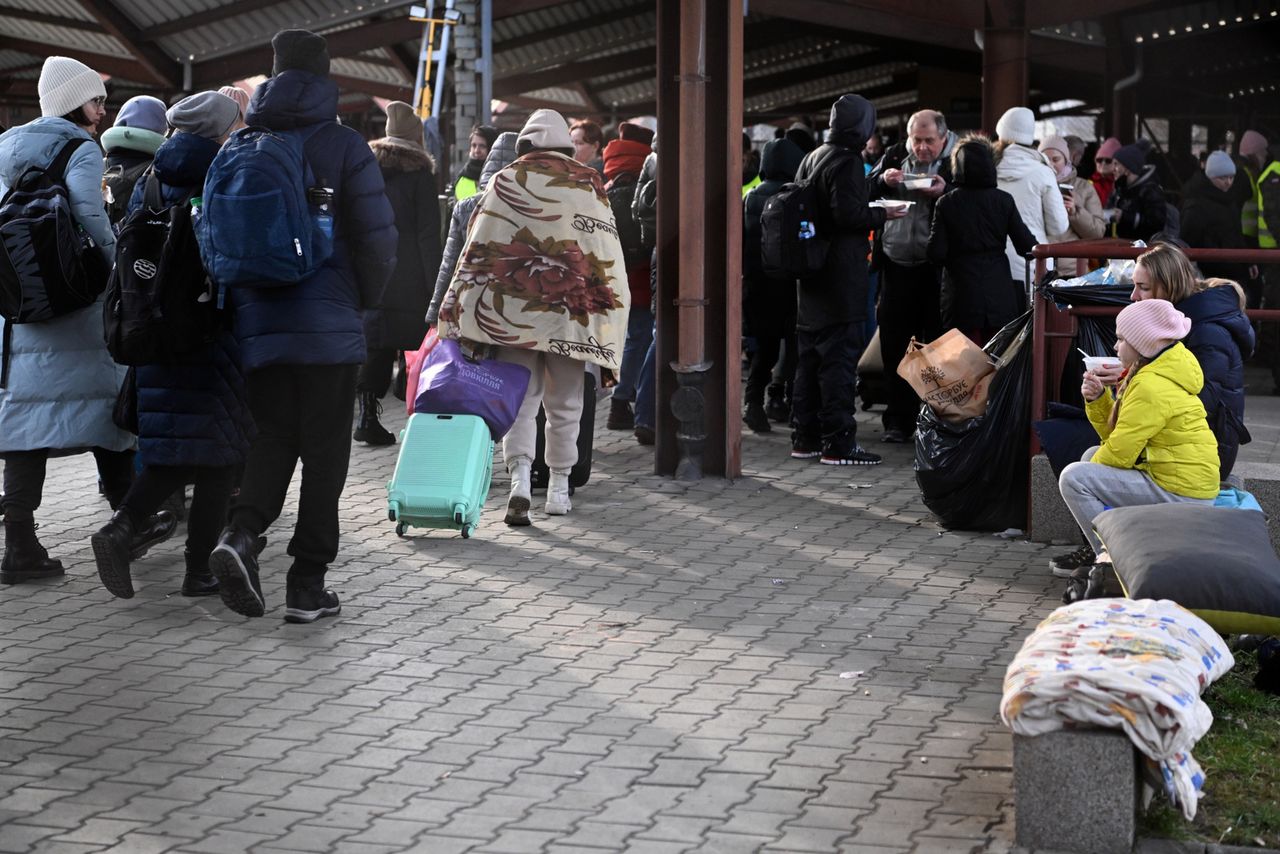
(1089, 488)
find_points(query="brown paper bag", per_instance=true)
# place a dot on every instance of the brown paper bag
(950, 373)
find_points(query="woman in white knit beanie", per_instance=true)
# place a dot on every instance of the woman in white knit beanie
(62, 383)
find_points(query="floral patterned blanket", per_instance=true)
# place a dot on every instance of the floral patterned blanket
(542, 268)
(1138, 666)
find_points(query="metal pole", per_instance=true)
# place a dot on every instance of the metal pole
(438, 94)
(423, 46)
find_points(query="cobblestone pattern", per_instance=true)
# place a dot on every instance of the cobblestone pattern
(659, 671)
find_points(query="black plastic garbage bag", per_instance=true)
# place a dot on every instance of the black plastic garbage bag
(973, 474)
(1095, 335)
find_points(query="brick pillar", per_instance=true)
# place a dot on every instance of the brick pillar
(464, 50)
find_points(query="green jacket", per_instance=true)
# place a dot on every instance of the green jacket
(1162, 429)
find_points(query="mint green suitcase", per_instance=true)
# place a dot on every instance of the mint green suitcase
(442, 474)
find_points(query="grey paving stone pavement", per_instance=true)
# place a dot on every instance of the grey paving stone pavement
(658, 671)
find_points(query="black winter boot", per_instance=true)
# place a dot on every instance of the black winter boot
(369, 430)
(111, 547)
(24, 558)
(199, 581)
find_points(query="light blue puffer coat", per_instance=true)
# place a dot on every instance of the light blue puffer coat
(62, 382)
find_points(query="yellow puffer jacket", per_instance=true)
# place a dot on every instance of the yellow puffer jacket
(1162, 429)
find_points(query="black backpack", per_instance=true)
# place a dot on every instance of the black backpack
(621, 192)
(160, 303)
(794, 225)
(49, 266)
(119, 181)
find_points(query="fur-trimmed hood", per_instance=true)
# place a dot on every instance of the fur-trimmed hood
(401, 157)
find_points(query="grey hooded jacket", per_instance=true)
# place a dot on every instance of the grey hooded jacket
(501, 155)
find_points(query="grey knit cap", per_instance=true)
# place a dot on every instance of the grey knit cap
(207, 114)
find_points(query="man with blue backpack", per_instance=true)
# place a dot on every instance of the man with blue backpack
(297, 229)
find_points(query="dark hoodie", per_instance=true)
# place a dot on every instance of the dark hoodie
(838, 294)
(317, 321)
(970, 227)
(1211, 220)
(769, 305)
(1140, 205)
(1221, 338)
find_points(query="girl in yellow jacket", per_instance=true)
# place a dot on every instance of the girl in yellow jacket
(1156, 444)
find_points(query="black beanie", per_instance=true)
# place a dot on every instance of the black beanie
(301, 50)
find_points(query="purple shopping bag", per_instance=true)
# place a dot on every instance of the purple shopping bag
(452, 384)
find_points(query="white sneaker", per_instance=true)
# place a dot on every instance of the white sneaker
(518, 503)
(558, 503)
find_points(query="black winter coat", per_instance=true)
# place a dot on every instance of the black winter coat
(1211, 220)
(195, 412)
(768, 305)
(398, 321)
(318, 320)
(971, 224)
(1221, 338)
(838, 294)
(1141, 205)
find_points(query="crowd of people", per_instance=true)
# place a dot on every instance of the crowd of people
(922, 235)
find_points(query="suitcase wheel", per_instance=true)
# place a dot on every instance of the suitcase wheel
(401, 527)
(391, 515)
(466, 531)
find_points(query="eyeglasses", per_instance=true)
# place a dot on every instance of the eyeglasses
(1102, 160)
(101, 100)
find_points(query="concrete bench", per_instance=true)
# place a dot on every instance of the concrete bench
(1051, 522)
(1076, 790)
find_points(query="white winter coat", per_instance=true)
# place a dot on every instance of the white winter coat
(1024, 174)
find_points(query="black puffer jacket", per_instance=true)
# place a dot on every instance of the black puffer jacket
(1141, 206)
(970, 227)
(838, 294)
(1221, 338)
(769, 305)
(1211, 220)
(397, 322)
(644, 205)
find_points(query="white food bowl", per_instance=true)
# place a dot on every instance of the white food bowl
(1093, 363)
(917, 182)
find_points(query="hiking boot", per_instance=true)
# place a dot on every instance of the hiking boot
(198, 581)
(111, 552)
(777, 409)
(1063, 565)
(855, 456)
(24, 558)
(620, 415)
(160, 527)
(645, 435)
(308, 604)
(521, 489)
(1103, 582)
(895, 436)
(756, 419)
(369, 430)
(558, 503)
(1077, 584)
(234, 562)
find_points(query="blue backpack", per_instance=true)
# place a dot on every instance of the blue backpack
(264, 219)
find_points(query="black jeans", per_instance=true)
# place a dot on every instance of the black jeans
(24, 473)
(213, 486)
(826, 375)
(909, 305)
(303, 413)
(375, 373)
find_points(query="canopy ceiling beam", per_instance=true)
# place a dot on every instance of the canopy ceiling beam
(163, 69)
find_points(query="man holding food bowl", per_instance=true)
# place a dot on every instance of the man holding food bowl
(917, 171)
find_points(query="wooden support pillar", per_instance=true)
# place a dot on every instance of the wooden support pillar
(1005, 69)
(1122, 106)
(698, 382)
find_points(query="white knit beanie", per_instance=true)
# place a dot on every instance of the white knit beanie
(1018, 124)
(66, 84)
(546, 129)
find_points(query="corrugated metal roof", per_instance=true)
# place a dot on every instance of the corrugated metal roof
(54, 35)
(877, 75)
(62, 8)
